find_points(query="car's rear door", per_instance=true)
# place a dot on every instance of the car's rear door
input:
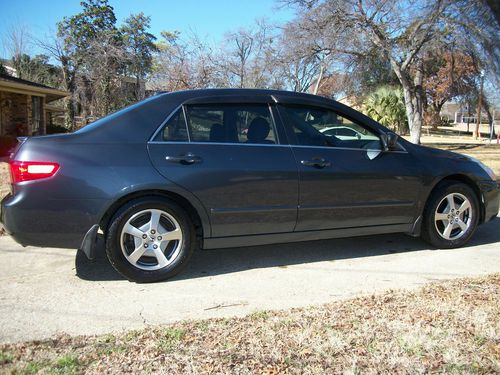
(218, 149)
(348, 182)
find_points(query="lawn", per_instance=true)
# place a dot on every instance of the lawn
(446, 327)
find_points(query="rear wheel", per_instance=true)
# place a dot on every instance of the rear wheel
(451, 216)
(150, 240)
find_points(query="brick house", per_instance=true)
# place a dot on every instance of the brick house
(24, 108)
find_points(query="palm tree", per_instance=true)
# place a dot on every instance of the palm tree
(386, 105)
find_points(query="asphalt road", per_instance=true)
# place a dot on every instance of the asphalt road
(44, 292)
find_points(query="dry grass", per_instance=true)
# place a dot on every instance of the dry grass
(447, 327)
(4, 183)
(4, 179)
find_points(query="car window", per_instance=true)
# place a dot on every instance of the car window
(175, 129)
(231, 123)
(314, 126)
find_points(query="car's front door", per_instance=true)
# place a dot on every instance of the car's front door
(230, 157)
(348, 181)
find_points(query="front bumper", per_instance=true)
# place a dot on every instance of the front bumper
(490, 192)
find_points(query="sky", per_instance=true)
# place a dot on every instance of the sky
(210, 19)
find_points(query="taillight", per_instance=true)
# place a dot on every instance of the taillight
(31, 170)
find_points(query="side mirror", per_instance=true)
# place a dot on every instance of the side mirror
(390, 141)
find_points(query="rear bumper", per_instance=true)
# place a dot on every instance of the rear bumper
(490, 191)
(46, 223)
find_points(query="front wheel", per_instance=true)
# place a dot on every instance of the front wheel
(451, 216)
(150, 240)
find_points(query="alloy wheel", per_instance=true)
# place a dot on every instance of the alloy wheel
(453, 216)
(151, 239)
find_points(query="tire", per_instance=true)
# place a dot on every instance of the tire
(144, 229)
(450, 222)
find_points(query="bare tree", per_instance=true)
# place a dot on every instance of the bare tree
(17, 40)
(403, 31)
(55, 48)
(175, 66)
(245, 56)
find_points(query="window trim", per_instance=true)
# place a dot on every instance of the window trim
(274, 125)
(188, 131)
(282, 130)
(403, 151)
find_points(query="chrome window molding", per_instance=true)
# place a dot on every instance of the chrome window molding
(351, 148)
(220, 143)
(272, 145)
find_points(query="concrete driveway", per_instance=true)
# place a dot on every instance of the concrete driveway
(44, 292)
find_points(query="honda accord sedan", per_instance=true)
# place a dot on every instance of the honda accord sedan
(233, 167)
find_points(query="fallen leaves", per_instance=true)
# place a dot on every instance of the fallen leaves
(449, 327)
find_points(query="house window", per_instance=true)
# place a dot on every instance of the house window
(36, 114)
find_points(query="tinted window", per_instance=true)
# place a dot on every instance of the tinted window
(322, 127)
(238, 123)
(175, 129)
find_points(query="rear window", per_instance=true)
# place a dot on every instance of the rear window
(231, 123)
(174, 129)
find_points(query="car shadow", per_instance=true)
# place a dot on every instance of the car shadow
(223, 261)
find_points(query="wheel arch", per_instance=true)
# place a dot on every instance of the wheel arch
(200, 222)
(464, 179)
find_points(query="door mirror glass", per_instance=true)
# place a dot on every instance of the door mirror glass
(390, 141)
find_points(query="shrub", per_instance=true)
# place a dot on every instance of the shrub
(386, 105)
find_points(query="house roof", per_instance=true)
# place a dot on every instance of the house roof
(22, 86)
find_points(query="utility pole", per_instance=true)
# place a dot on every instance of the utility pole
(479, 106)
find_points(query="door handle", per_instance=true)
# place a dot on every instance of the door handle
(316, 163)
(188, 158)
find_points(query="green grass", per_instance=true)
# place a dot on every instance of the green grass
(5, 358)
(68, 364)
(259, 315)
(170, 338)
(33, 367)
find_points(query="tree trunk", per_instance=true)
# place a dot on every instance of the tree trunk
(413, 104)
(413, 97)
(414, 119)
(491, 120)
(318, 82)
(69, 115)
(69, 79)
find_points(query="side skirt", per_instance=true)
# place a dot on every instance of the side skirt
(267, 239)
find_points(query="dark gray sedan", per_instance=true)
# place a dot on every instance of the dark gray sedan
(225, 168)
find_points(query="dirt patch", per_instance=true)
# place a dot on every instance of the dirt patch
(447, 327)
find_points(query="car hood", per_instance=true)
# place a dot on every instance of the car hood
(443, 154)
